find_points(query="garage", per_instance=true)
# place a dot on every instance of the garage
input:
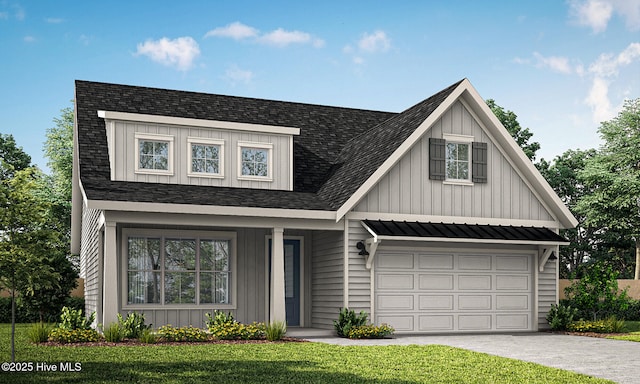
(421, 291)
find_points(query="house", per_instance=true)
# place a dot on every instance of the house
(431, 220)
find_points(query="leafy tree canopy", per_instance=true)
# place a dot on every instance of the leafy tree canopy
(521, 135)
(12, 157)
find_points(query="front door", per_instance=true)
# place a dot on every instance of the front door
(291, 279)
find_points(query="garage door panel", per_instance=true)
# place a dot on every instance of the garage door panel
(512, 282)
(395, 281)
(435, 281)
(457, 291)
(474, 322)
(395, 302)
(512, 263)
(435, 323)
(474, 302)
(511, 302)
(515, 321)
(435, 302)
(474, 262)
(396, 261)
(435, 261)
(399, 323)
(474, 282)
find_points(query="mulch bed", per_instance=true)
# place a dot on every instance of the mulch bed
(591, 334)
(136, 343)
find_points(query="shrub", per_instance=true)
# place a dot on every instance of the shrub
(596, 294)
(62, 335)
(275, 330)
(39, 332)
(170, 333)
(348, 319)
(71, 319)
(609, 325)
(219, 318)
(133, 325)
(370, 331)
(560, 316)
(114, 333)
(237, 331)
(147, 337)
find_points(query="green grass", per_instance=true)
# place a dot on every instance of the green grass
(275, 363)
(633, 329)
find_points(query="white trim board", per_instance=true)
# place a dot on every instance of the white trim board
(170, 120)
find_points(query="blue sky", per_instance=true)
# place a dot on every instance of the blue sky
(561, 66)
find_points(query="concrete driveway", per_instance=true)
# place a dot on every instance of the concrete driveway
(615, 360)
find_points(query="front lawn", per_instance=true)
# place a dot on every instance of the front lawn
(272, 363)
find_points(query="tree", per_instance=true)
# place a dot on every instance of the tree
(521, 135)
(58, 148)
(562, 175)
(25, 239)
(12, 157)
(614, 177)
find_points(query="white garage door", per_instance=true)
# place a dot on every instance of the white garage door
(421, 292)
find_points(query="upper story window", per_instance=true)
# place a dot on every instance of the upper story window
(458, 161)
(254, 161)
(206, 157)
(154, 153)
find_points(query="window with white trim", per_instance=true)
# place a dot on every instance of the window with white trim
(179, 269)
(458, 159)
(154, 153)
(254, 161)
(206, 157)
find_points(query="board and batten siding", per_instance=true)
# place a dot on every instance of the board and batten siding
(90, 263)
(406, 188)
(547, 291)
(327, 278)
(121, 140)
(250, 275)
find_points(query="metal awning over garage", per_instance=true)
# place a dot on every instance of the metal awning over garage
(463, 231)
(380, 230)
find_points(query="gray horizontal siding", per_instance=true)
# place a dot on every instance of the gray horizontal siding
(406, 188)
(359, 275)
(547, 291)
(327, 278)
(89, 259)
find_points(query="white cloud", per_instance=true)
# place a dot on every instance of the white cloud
(375, 42)
(555, 63)
(278, 38)
(54, 20)
(179, 53)
(236, 75)
(29, 39)
(596, 14)
(607, 67)
(598, 100)
(236, 31)
(282, 38)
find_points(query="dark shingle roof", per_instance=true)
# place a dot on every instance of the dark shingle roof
(337, 149)
(462, 231)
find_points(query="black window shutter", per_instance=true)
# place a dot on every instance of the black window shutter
(437, 163)
(479, 162)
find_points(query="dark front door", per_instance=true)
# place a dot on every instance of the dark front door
(291, 280)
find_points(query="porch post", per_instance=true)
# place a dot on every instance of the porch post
(110, 283)
(277, 310)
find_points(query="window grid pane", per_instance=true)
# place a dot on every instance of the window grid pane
(255, 162)
(153, 154)
(205, 158)
(191, 271)
(457, 161)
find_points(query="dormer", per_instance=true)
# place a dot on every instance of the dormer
(177, 150)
